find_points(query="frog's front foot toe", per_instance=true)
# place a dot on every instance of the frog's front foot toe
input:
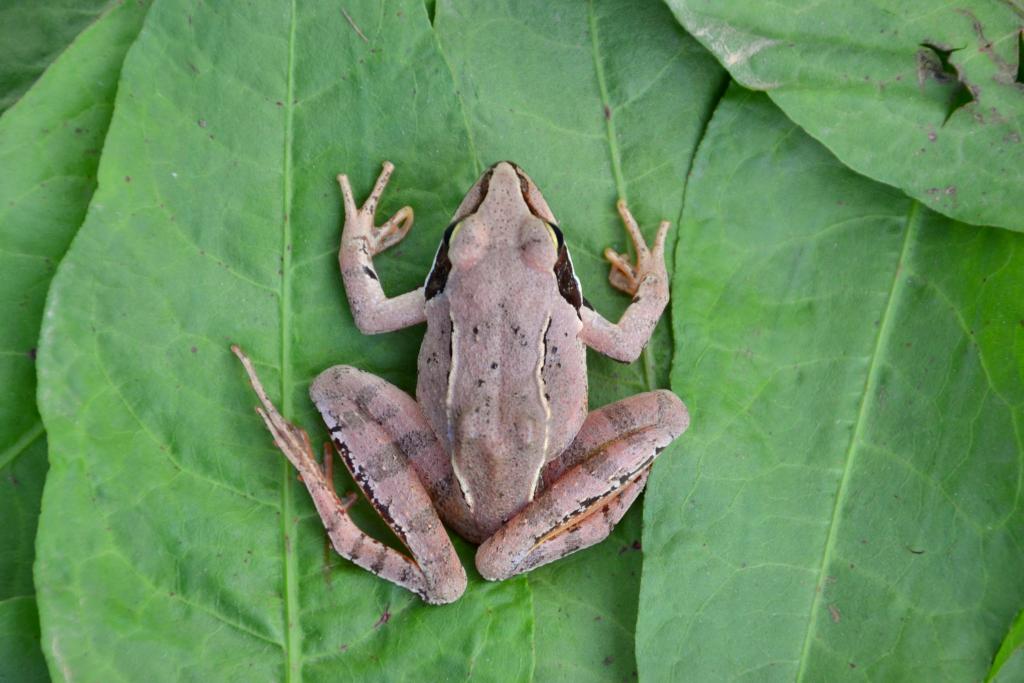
(359, 220)
(627, 276)
(392, 232)
(622, 275)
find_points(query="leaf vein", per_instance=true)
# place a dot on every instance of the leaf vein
(870, 382)
(29, 437)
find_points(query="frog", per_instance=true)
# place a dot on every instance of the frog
(499, 443)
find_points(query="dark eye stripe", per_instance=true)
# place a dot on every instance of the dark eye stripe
(438, 276)
(568, 284)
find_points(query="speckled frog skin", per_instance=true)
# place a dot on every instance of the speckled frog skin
(498, 444)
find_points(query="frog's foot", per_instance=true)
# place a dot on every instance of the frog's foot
(359, 221)
(292, 441)
(589, 488)
(434, 572)
(624, 274)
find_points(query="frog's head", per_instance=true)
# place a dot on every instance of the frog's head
(504, 191)
(505, 216)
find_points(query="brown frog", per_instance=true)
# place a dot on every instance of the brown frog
(498, 444)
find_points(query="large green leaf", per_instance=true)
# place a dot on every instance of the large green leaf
(850, 501)
(925, 96)
(33, 34)
(175, 541)
(49, 145)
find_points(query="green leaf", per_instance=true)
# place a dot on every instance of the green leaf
(1008, 664)
(928, 98)
(34, 34)
(849, 505)
(173, 532)
(20, 658)
(1012, 670)
(52, 138)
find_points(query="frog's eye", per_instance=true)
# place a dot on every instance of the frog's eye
(468, 249)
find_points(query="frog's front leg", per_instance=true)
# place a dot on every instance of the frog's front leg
(372, 310)
(389, 449)
(589, 487)
(646, 281)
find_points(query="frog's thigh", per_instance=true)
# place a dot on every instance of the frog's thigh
(388, 447)
(590, 487)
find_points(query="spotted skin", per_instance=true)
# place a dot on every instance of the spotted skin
(498, 443)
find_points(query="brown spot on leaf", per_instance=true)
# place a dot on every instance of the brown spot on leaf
(385, 617)
(1006, 71)
(835, 613)
(937, 194)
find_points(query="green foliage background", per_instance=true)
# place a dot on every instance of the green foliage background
(847, 503)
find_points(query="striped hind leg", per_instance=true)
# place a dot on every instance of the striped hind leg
(589, 488)
(360, 411)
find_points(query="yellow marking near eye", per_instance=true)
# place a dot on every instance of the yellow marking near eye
(455, 231)
(554, 237)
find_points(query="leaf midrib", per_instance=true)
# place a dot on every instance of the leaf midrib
(647, 355)
(293, 634)
(870, 386)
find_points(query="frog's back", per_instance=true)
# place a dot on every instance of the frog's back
(502, 369)
(504, 385)
(508, 353)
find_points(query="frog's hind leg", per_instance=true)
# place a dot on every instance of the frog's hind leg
(589, 488)
(368, 426)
